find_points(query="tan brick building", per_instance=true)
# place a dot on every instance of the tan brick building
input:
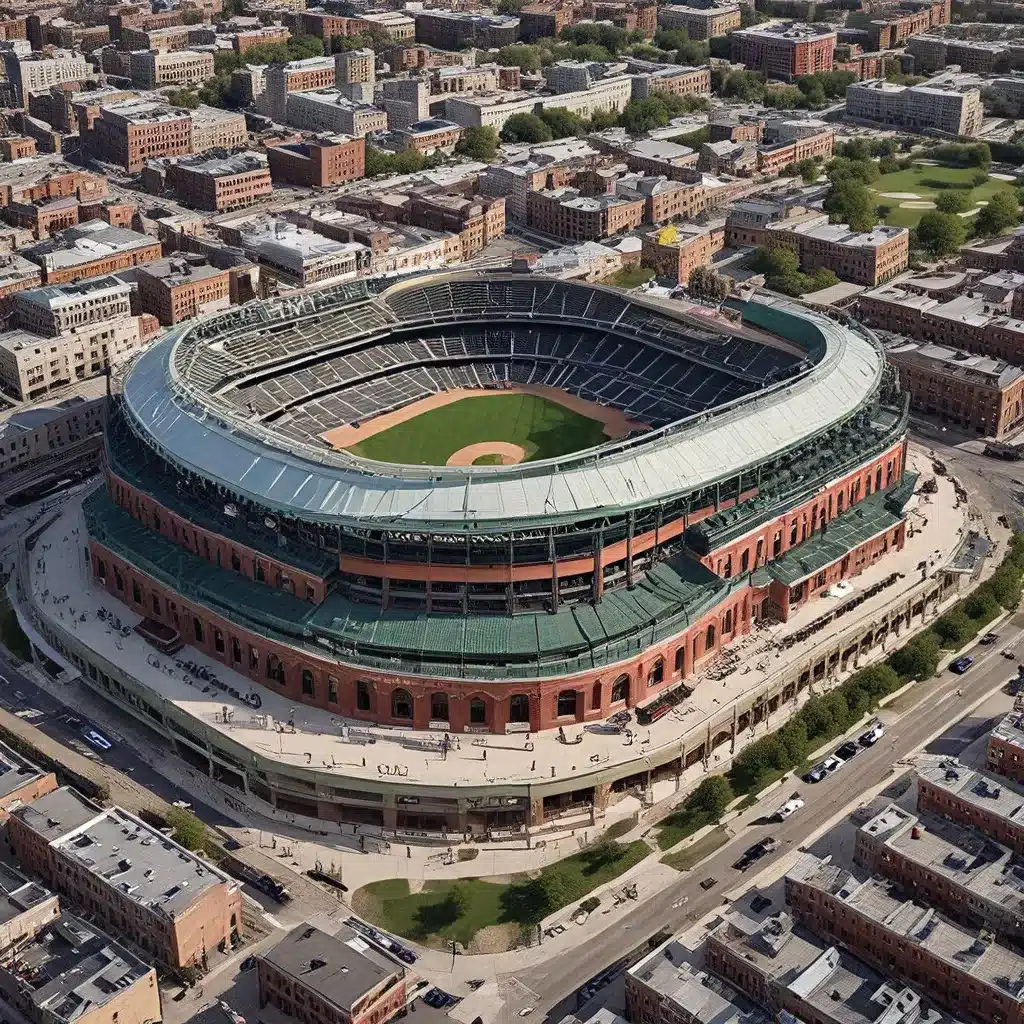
(716, 19)
(477, 220)
(17, 147)
(135, 131)
(178, 287)
(566, 214)
(100, 860)
(92, 249)
(153, 68)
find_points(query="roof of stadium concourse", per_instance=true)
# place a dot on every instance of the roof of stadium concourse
(317, 741)
(309, 483)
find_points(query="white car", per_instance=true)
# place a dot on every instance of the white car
(789, 808)
(98, 740)
(873, 735)
(832, 763)
(28, 713)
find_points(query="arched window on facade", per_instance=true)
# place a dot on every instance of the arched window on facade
(477, 712)
(566, 703)
(620, 689)
(709, 638)
(519, 708)
(307, 683)
(595, 697)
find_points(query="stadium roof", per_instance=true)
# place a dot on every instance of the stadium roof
(187, 426)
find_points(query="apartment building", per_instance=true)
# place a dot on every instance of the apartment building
(213, 128)
(43, 216)
(17, 147)
(405, 101)
(328, 110)
(476, 220)
(795, 141)
(25, 907)
(629, 15)
(965, 323)
(269, 35)
(906, 20)
(43, 180)
(60, 309)
(394, 24)
(965, 972)
(1006, 748)
(129, 876)
(933, 53)
(176, 288)
(329, 160)
(455, 30)
(565, 214)
(70, 972)
(675, 251)
(783, 49)
(544, 20)
(716, 19)
(299, 258)
(916, 107)
(330, 979)
(550, 167)
(153, 68)
(296, 76)
(322, 24)
(21, 782)
(675, 79)
(54, 427)
(459, 79)
(16, 274)
(92, 249)
(164, 38)
(953, 867)
(978, 393)
(420, 58)
(132, 132)
(35, 72)
(32, 366)
(431, 136)
(227, 183)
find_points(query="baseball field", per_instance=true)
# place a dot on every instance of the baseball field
(484, 428)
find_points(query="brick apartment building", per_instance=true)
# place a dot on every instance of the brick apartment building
(978, 393)
(129, 876)
(267, 36)
(783, 49)
(153, 68)
(426, 58)
(773, 158)
(17, 147)
(66, 308)
(649, 77)
(430, 136)
(84, 186)
(295, 76)
(455, 30)
(92, 249)
(961, 970)
(44, 216)
(16, 275)
(1006, 748)
(330, 160)
(178, 287)
(963, 323)
(477, 220)
(130, 133)
(675, 252)
(544, 20)
(717, 19)
(213, 128)
(138, 17)
(224, 184)
(330, 979)
(899, 24)
(21, 781)
(566, 214)
(630, 15)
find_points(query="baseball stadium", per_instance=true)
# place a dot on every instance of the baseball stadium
(491, 502)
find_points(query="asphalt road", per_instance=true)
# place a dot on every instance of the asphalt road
(551, 987)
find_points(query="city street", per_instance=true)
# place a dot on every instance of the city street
(932, 722)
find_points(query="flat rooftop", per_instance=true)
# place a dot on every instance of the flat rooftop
(784, 32)
(123, 851)
(339, 968)
(950, 362)
(57, 296)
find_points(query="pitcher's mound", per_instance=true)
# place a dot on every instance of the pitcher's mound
(488, 453)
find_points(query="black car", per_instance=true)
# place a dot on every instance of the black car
(756, 852)
(848, 750)
(709, 883)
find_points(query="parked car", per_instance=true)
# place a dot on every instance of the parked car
(756, 852)
(97, 739)
(709, 883)
(832, 763)
(989, 638)
(789, 808)
(847, 750)
(961, 665)
(816, 774)
(873, 735)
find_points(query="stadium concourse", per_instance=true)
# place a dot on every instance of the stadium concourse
(305, 743)
(535, 634)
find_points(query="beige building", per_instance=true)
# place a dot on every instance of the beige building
(916, 107)
(60, 309)
(296, 76)
(701, 22)
(37, 72)
(32, 366)
(328, 110)
(152, 68)
(300, 258)
(129, 876)
(213, 128)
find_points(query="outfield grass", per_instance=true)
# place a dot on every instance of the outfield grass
(928, 181)
(545, 430)
(429, 917)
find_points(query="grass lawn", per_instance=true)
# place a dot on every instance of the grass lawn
(545, 429)
(432, 917)
(631, 277)
(928, 182)
(683, 860)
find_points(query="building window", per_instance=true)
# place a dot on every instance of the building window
(197, 628)
(136, 593)
(118, 580)
(620, 689)
(401, 704)
(709, 638)
(307, 683)
(236, 651)
(519, 708)
(679, 660)
(566, 703)
(439, 707)
(595, 697)
(332, 690)
(218, 641)
(477, 712)
(156, 605)
(362, 695)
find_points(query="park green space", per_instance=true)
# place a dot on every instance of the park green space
(544, 429)
(928, 181)
(447, 910)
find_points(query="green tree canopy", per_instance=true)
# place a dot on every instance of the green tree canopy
(851, 203)
(941, 234)
(478, 143)
(953, 200)
(526, 128)
(521, 55)
(562, 122)
(189, 830)
(1002, 211)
